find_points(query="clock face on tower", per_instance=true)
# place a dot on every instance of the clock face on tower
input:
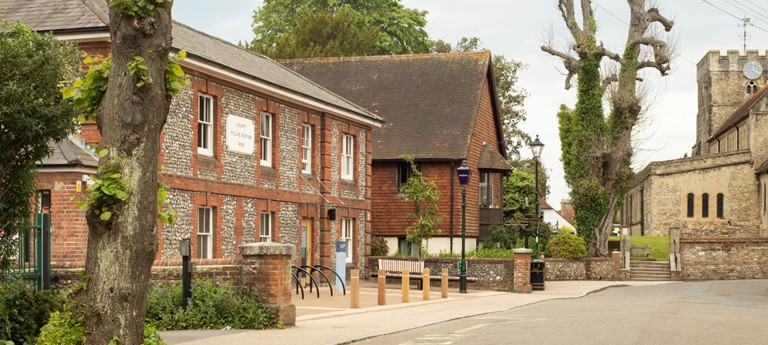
(753, 69)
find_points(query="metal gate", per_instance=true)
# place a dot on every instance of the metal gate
(32, 262)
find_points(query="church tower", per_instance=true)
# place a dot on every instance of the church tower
(724, 83)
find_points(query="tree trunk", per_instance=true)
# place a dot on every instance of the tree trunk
(599, 246)
(130, 118)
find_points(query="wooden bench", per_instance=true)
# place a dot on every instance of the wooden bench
(640, 251)
(394, 269)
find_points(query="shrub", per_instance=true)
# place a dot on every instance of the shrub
(479, 253)
(212, 306)
(503, 237)
(566, 246)
(64, 328)
(23, 311)
(379, 247)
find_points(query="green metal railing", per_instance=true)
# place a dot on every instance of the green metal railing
(32, 262)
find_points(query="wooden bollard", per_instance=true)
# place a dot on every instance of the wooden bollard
(425, 284)
(405, 283)
(382, 280)
(444, 283)
(355, 287)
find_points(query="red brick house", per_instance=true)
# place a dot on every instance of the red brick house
(251, 150)
(439, 108)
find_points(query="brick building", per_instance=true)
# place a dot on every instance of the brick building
(716, 197)
(440, 109)
(251, 150)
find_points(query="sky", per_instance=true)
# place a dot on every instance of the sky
(518, 28)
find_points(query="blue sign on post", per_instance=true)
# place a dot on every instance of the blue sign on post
(341, 263)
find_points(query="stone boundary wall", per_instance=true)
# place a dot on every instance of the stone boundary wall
(584, 269)
(491, 274)
(498, 274)
(724, 258)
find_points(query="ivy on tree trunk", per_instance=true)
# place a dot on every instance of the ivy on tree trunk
(597, 150)
(130, 118)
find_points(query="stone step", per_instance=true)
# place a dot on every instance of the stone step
(649, 272)
(649, 267)
(650, 278)
(649, 263)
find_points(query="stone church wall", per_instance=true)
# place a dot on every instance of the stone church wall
(666, 185)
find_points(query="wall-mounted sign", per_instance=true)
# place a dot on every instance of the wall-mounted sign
(240, 135)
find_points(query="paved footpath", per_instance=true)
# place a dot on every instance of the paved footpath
(329, 320)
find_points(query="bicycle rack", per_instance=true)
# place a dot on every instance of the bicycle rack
(298, 285)
(311, 280)
(313, 269)
(344, 288)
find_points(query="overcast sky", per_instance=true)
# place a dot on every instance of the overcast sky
(518, 28)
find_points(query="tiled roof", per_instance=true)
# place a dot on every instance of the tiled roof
(545, 205)
(429, 101)
(742, 112)
(70, 153)
(66, 15)
(567, 212)
(490, 158)
(48, 15)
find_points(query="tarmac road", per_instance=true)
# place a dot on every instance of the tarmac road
(709, 312)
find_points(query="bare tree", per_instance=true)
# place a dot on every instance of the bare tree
(597, 150)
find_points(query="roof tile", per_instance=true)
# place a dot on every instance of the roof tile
(429, 101)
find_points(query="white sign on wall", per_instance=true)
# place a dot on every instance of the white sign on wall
(240, 135)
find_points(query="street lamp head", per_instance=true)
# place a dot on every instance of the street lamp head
(464, 173)
(185, 246)
(536, 147)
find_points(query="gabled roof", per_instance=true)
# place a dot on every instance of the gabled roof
(69, 153)
(491, 159)
(65, 16)
(50, 15)
(742, 112)
(429, 101)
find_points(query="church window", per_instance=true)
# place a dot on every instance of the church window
(752, 87)
(705, 205)
(690, 205)
(720, 201)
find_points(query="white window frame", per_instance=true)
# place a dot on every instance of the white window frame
(483, 184)
(265, 227)
(347, 235)
(347, 157)
(205, 118)
(205, 233)
(306, 149)
(265, 132)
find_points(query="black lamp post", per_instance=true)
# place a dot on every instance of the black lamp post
(536, 147)
(185, 249)
(464, 174)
